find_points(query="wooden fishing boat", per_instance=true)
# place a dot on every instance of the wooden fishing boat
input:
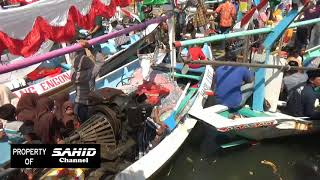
(163, 152)
(160, 154)
(191, 97)
(256, 123)
(62, 81)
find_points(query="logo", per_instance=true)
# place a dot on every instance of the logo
(55, 156)
(74, 152)
(82, 152)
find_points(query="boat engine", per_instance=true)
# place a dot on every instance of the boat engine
(107, 109)
(116, 123)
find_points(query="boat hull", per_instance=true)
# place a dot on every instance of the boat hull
(149, 164)
(262, 133)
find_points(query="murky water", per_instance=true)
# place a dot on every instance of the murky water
(294, 158)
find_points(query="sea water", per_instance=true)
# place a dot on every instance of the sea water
(201, 158)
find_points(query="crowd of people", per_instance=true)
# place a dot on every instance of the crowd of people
(37, 118)
(298, 88)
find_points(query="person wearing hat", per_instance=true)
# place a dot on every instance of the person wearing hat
(293, 79)
(303, 100)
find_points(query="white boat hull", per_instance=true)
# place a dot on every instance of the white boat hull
(149, 164)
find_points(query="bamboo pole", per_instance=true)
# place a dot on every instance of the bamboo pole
(254, 65)
(220, 37)
(59, 52)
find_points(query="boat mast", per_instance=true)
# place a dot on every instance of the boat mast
(172, 35)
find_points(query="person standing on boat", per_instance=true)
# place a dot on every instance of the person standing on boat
(199, 20)
(162, 39)
(228, 82)
(96, 31)
(86, 67)
(162, 36)
(304, 100)
(227, 13)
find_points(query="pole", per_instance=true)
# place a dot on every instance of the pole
(259, 86)
(220, 37)
(171, 33)
(59, 52)
(254, 65)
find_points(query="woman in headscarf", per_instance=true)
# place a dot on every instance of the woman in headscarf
(45, 125)
(58, 102)
(26, 108)
(7, 97)
(69, 119)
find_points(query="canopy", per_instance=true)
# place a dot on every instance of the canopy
(24, 29)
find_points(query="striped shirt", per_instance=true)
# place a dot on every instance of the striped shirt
(84, 74)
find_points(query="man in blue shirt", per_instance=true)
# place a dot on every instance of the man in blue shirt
(228, 82)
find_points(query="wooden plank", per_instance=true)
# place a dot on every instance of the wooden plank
(273, 83)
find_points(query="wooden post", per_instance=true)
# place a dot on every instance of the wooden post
(171, 33)
(259, 86)
(247, 45)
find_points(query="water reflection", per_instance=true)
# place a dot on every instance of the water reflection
(291, 158)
